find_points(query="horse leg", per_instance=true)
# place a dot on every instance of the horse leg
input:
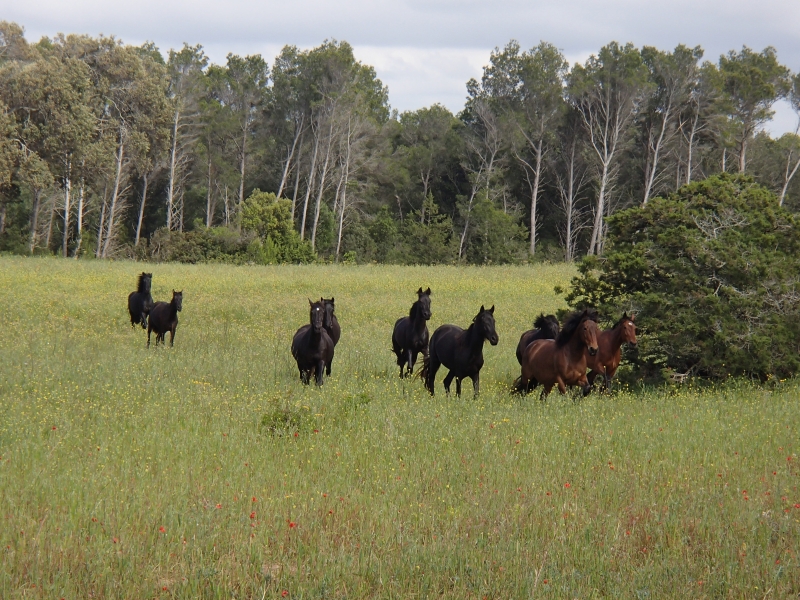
(410, 358)
(430, 378)
(447, 381)
(148, 336)
(476, 383)
(328, 367)
(608, 382)
(172, 336)
(458, 387)
(320, 371)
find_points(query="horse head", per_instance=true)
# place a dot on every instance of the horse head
(423, 304)
(177, 300)
(588, 334)
(629, 329)
(485, 320)
(317, 314)
(330, 307)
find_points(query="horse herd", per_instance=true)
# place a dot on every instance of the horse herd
(550, 355)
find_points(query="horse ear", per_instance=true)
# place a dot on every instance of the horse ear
(310, 303)
(419, 292)
(331, 300)
(428, 291)
(491, 310)
(482, 309)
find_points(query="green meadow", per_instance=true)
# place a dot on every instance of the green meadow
(207, 470)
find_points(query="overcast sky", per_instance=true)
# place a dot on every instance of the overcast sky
(426, 50)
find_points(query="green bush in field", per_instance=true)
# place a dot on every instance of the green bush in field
(712, 274)
(270, 218)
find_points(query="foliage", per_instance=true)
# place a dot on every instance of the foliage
(270, 219)
(713, 275)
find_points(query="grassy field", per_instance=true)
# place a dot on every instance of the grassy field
(208, 471)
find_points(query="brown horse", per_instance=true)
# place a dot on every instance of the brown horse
(561, 361)
(609, 353)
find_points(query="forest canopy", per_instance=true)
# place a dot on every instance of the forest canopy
(110, 150)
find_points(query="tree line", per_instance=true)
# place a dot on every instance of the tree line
(108, 149)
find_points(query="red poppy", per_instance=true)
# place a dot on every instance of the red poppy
(292, 524)
(254, 498)
(285, 593)
(219, 505)
(162, 529)
(567, 485)
(252, 515)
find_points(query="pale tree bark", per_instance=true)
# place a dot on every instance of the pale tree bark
(321, 185)
(102, 224)
(533, 186)
(788, 174)
(309, 186)
(343, 203)
(173, 167)
(67, 208)
(296, 186)
(298, 138)
(654, 147)
(145, 180)
(115, 198)
(37, 202)
(209, 194)
(79, 220)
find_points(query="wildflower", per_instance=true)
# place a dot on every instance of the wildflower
(219, 505)
(54, 428)
(292, 524)
(253, 515)
(254, 498)
(115, 540)
(296, 434)
(284, 593)
(797, 505)
(567, 485)
(162, 529)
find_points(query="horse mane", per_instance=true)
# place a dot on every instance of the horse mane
(547, 324)
(413, 310)
(571, 325)
(140, 283)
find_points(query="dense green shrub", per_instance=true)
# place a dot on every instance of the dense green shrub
(712, 274)
(270, 218)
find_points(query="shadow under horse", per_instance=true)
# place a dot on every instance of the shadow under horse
(312, 347)
(459, 350)
(164, 318)
(140, 302)
(561, 361)
(410, 334)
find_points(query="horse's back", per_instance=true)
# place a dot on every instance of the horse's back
(444, 342)
(159, 317)
(335, 331)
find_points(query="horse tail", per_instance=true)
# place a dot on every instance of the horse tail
(424, 372)
(516, 387)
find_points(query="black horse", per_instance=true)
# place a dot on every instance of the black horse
(410, 335)
(312, 347)
(460, 351)
(164, 318)
(331, 325)
(545, 328)
(140, 302)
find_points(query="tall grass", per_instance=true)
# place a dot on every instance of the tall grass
(208, 471)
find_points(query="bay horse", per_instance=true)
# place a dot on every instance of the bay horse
(561, 361)
(460, 351)
(164, 318)
(331, 325)
(312, 347)
(609, 353)
(410, 334)
(545, 328)
(140, 302)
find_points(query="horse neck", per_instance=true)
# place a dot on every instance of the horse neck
(612, 338)
(475, 338)
(575, 347)
(173, 308)
(417, 321)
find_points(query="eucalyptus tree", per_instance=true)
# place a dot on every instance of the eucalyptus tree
(699, 122)
(671, 76)
(751, 83)
(242, 93)
(529, 86)
(793, 143)
(607, 91)
(185, 69)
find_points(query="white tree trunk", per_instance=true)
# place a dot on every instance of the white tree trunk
(79, 221)
(67, 209)
(173, 168)
(141, 210)
(297, 137)
(114, 199)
